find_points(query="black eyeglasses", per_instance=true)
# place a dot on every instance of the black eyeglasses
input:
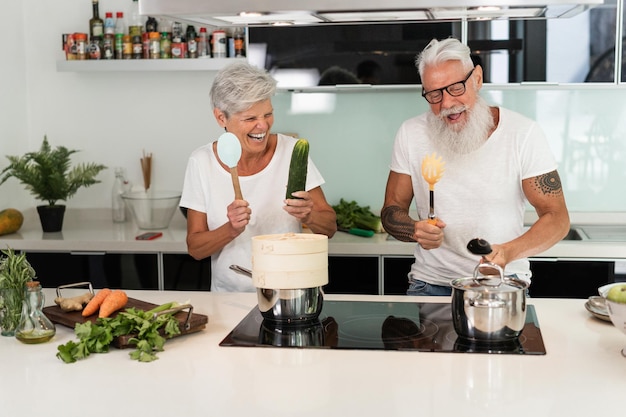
(455, 90)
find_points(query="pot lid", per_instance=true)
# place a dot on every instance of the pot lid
(490, 283)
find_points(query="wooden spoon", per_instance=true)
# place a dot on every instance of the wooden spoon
(432, 170)
(229, 152)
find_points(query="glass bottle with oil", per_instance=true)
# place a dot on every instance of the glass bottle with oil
(34, 326)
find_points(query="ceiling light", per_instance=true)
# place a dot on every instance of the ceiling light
(252, 14)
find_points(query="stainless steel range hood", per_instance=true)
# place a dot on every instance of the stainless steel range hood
(307, 12)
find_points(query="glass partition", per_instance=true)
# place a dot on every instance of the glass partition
(349, 132)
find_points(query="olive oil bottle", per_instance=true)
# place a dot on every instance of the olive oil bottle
(96, 25)
(34, 326)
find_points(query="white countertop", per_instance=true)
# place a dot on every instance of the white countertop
(582, 374)
(92, 230)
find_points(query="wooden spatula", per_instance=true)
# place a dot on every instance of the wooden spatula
(229, 151)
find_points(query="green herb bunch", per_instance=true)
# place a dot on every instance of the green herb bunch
(350, 214)
(47, 174)
(149, 334)
(15, 272)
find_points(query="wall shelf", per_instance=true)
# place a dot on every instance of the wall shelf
(195, 64)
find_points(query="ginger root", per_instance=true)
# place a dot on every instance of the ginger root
(74, 303)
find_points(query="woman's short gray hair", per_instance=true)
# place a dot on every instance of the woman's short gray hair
(239, 86)
(437, 52)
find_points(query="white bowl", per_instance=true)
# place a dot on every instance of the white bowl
(617, 313)
(154, 209)
(603, 290)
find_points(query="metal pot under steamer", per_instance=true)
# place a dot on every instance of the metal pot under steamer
(287, 305)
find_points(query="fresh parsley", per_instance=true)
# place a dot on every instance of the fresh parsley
(141, 325)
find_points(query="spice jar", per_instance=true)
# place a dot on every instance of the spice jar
(137, 47)
(34, 326)
(127, 47)
(219, 44)
(81, 45)
(166, 45)
(108, 47)
(94, 50)
(155, 45)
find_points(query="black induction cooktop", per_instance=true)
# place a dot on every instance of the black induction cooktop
(423, 327)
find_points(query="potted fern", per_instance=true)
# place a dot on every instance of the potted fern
(47, 175)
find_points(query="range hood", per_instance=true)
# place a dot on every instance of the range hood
(307, 12)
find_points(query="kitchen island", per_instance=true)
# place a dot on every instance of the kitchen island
(583, 373)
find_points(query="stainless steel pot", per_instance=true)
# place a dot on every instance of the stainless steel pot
(287, 305)
(489, 308)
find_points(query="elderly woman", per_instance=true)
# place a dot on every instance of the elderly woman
(220, 226)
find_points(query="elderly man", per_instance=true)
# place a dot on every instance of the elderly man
(495, 161)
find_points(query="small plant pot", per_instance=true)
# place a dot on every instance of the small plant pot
(51, 217)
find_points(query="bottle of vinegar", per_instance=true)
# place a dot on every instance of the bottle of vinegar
(109, 24)
(120, 24)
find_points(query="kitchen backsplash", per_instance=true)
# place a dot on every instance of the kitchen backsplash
(352, 132)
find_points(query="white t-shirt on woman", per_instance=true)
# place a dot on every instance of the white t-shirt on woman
(208, 188)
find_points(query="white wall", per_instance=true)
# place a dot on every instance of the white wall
(112, 117)
(13, 109)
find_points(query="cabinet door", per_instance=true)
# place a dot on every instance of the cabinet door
(182, 272)
(395, 271)
(112, 270)
(569, 279)
(352, 275)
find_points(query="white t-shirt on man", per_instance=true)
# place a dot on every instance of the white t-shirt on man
(479, 195)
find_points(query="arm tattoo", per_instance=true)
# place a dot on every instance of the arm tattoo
(397, 223)
(548, 184)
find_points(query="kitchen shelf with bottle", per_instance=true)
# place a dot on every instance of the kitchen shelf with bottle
(193, 64)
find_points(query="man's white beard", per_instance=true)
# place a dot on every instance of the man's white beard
(462, 139)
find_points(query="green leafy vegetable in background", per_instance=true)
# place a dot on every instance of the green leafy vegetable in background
(350, 214)
(142, 325)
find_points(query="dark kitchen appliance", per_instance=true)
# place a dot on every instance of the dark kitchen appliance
(424, 327)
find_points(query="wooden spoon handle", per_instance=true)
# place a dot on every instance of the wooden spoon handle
(235, 177)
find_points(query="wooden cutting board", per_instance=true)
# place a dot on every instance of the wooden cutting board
(195, 323)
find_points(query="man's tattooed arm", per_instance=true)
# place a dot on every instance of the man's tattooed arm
(397, 223)
(549, 184)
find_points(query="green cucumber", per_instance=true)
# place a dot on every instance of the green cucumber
(298, 167)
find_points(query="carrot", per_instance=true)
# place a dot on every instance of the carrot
(95, 302)
(114, 301)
